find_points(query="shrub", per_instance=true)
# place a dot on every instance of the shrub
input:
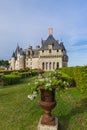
(24, 70)
(10, 79)
(6, 71)
(79, 73)
(24, 74)
(65, 77)
(34, 72)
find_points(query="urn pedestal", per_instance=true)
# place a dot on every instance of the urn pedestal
(47, 102)
(48, 127)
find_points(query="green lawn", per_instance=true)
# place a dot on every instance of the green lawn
(17, 112)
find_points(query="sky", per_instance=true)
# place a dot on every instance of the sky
(26, 22)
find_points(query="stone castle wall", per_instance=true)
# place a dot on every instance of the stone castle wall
(50, 56)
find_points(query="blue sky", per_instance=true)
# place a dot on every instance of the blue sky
(26, 22)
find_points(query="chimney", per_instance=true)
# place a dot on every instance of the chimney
(50, 31)
(30, 47)
(37, 47)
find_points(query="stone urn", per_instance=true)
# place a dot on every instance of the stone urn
(47, 102)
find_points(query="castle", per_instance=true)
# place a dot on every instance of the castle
(50, 56)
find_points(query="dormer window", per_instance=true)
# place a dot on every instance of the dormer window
(49, 46)
(52, 44)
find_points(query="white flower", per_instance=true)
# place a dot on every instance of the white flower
(28, 83)
(50, 80)
(36, 82)
(41, 79)
(34, 93)
(32, 96)
(48, 84)
(64, 82)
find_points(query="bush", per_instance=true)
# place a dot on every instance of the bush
(6, 71)
(10, 79)
(65, 77)
(34, 72)
(24, 74)
(24, 70)
(79, 73)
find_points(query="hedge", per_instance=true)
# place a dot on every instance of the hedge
(79, 73)
(65, 77)
(24, 74)
(10, 79)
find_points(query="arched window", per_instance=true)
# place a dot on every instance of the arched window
(43, 65)
(53, 65)
(50, 66)
(46, 65)
(49, 50)
(57, 65)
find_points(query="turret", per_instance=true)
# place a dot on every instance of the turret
(21, 60)
(13, 61)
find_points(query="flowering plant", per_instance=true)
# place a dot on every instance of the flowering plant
(53, 81)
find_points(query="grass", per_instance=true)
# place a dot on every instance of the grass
(17, 112)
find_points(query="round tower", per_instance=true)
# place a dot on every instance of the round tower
(22, 60)
(13, 61)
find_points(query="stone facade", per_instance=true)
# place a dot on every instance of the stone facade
(50, 56)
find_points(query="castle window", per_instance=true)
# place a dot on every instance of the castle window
(50, 66)
(57, 65)
(50, 51)
(32, 52)
(53, 65)
(43, 65)
(29, 53)
(46, 65)
(64, 64)
(57, 50)
(42, 51)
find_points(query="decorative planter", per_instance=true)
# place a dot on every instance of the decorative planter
(47, 102)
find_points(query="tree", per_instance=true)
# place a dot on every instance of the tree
(4, 63)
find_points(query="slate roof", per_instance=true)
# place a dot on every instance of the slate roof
(21, 52)
(51, 41)
(18, 51)
(13, 55)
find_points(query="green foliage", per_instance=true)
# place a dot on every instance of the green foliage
(10, 79)
(34, 72)
(4, 63)
(17, 112)
(13, 77)
(24, 74)
(79, 73)
(53, 80)
(70, 82)
(24, 70)
(6, 71)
